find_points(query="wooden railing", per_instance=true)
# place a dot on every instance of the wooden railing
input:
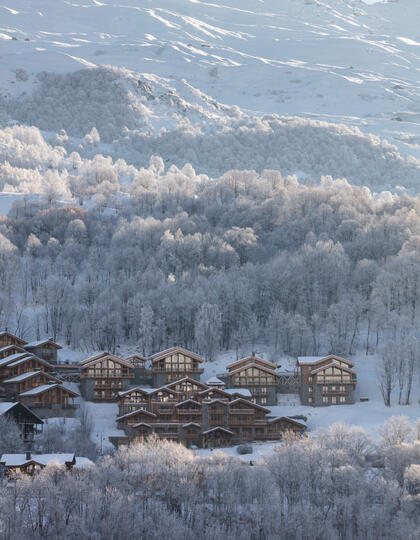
(179, 369)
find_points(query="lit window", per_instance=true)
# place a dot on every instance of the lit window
(325, 399)
(309, 400)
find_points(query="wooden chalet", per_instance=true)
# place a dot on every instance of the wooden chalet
(326, 380)
(8, 360)
(26, 381)
(195, 414)
(6, 338)
(8, 350)
(28, 463)
(53, 399)
(28, 422)
(257, 375)
(103, 376)
(45, 349)
(175, 363)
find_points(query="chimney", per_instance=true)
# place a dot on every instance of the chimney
(28, 456)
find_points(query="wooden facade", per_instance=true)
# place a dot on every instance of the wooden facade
(328, 380)
(175, 363)
(56, 397)
(45, 349)
(29, 464)
(28, 379)
(256, 374)
(193, 413)
(6, 338)
(103, 376)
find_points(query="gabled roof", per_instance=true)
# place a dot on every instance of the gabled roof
(9, 347)
(136, 358)
(188, 401)
(104, 357)
(257, 366)
(185, 379)
(332, 364)
(287, 419)
(136, 389)
(171, 350)
(218, 428)
(188, 424)
(251, 360)
(18, 460)
(91, 358)
(29, 375)
(27, 357)
(222, 391)
(164, 389)
(312, 360)
(34, 344)
(3, 334)
(141, 424)
(248, 404)
(45, 388)
(137, 411)
(13, 357)
(7, 406)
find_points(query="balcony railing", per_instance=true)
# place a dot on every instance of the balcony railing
(176, 369)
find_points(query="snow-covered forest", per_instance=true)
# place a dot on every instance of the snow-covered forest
(334, 485)
(158, 256)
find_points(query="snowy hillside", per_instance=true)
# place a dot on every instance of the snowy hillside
(175, 63)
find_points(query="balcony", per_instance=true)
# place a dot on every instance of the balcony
(182, 370)
(189, 411)
(106, 374)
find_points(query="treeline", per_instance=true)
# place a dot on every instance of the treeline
(334, 485)
(214, 264)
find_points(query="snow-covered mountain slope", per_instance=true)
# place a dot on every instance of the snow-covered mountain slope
(340, 61)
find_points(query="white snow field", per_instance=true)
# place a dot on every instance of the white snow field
(176, 62)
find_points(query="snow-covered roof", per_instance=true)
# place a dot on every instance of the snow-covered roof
(27, 357)
(332, 364)
(13, 357)
(171, 350)
(83, 463)
(132, 413)
(218, 428)
(45, 387)
(214, 380)
(242, 391)
(141, 388)
(191, 424)
(28, 375)
(17, 460)
(187, 401)
(8, 347)
(309, 360)
(6, 406)
(261, 367)
(287, 419)
(85, 364)
(34, 344)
